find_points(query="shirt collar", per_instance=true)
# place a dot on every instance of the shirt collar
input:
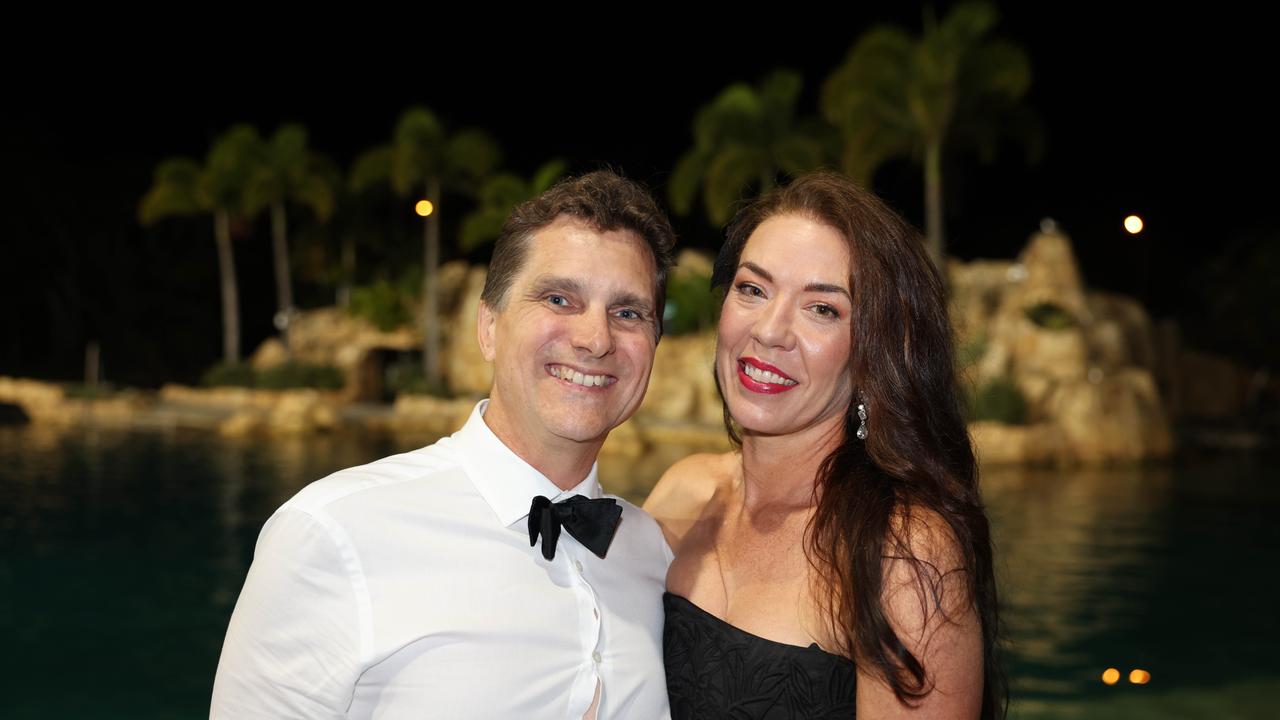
(505, 481)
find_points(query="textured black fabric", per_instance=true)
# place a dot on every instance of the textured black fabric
(715, 671)
(590, 522)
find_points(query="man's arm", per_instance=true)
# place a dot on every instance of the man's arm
(300, 627)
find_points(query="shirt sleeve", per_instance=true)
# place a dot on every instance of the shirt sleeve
(298, 632)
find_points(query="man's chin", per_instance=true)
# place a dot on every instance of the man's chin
(585, 436)
(585, 431)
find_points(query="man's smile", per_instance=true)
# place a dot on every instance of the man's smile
(577, 377)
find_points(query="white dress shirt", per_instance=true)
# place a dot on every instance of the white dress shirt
(406, 588)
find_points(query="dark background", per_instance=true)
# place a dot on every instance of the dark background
(1168, 116)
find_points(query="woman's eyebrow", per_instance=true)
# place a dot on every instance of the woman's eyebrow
(757, 270)
(811, 287)
(828, 288)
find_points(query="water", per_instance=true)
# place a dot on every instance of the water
(121, 554)
(1166, 569)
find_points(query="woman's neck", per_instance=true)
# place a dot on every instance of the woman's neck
(782, 470)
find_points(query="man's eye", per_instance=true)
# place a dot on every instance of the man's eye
(629, 315)
(558, 300)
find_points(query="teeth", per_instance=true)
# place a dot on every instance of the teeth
(578, 378)
(765, 376)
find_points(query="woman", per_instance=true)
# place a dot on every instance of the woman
(840, 559)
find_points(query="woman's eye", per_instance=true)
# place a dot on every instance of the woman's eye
(826, 311)
(749, 289)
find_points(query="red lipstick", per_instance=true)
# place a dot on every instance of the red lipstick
(757, 386)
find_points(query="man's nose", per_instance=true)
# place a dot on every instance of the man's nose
(592, 333)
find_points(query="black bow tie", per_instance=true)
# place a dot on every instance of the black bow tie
(590, 522)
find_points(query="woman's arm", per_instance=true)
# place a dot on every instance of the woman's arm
(929, 603)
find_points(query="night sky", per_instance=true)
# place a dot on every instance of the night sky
(1166, 117)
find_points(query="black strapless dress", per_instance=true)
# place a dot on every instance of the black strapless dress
(715, 670)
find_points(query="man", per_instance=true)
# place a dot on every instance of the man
(436, 583)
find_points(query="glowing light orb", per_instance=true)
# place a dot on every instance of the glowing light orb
(424, 208)
(1111, 676)
(1139, 677)
(1133, 224)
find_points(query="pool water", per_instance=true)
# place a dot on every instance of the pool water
(121, 555)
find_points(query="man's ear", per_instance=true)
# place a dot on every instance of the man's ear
(486, 327)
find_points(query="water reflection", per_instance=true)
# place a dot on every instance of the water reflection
(1071, 559)
(1145, 568)
(228, 560)
(123, 554)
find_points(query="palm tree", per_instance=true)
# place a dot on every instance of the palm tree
(742, 140)
(426, 158)
(182, 187)
(898, 95)
(370, 172)
(498, 197)
(289, 172)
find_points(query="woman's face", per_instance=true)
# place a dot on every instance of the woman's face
(784, 337)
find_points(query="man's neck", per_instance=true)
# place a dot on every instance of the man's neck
(566, 463)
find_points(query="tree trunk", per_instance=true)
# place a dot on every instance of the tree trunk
(430, 290)
(348, 269)
(284, 281)
(230, 299)
(934, 240)
(92, 364)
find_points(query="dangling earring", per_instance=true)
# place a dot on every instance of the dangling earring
(862, 417)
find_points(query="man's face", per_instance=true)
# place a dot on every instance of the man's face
(573, 346)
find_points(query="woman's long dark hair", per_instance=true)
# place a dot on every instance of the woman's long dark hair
(916, 465)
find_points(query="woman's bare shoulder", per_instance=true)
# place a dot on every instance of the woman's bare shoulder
(684, 490)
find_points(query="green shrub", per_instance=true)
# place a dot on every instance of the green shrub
(228, 375)
(282, 377)
(300, 375)
(691, 305)
(971, 352)
(1050, 316)
(999, 400)
(384, 304)
(404, 377)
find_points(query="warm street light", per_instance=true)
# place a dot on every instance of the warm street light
(424, 208)
(1139, 677)
(1133, 224)
(1111, 676)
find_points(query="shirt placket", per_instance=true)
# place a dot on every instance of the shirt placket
(588, 632)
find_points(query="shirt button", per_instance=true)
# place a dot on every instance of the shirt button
(595, 613)
(578, 564)
(596, 656)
